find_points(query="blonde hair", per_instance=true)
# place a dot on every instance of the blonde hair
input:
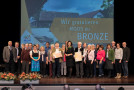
(22, 44)
(92, 46)
(43, 48)
(89, 45)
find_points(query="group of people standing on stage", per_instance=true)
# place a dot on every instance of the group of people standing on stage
(85, 60)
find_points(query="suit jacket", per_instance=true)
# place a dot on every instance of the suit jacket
(6, 53)
(61, 59)
(126, 53)
(81, 49)
(19, 54)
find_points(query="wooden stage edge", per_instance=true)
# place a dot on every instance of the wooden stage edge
(84, 81)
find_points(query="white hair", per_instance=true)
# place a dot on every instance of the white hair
(52, 45)
(26, 44)
(113, 42)
(93, 45)
(9, 41)
(80, 42)
(63, 44)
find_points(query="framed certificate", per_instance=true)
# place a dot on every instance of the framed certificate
(57, 55)
(78, 56)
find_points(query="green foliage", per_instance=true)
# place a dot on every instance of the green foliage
(108, 8)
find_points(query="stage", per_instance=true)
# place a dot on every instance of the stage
(84, 81)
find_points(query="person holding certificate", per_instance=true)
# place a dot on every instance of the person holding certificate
(57, 55)
(78, 60)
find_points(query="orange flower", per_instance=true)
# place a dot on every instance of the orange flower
(23, 73)
(5, 77)
(2, 76)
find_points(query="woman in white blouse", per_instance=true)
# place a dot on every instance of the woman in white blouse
(88, 59)
(118, 59)
(43, 61)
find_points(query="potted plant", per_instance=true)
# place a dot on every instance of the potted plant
(7, 78)
(31, 78)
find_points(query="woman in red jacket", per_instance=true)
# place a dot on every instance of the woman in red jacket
(101, 59)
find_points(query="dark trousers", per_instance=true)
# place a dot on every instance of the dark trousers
(100, 67)
(25, 66)
(69, 71)
(79, 68)
(43, 68)
(10, 66)
(50, 69)
(117, 66)
(125, 67)
(84, 69)
(89, 68)
(56, 67)
(94, 66)
(113, 72)
(19, 66)
(29, 67)
(47, 69)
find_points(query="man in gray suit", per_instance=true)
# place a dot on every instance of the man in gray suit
(10, 57)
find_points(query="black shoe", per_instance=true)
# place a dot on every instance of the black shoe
(53, 76)
(70, 76)
(45, 76)
(100, 76)
(77, 76)
(109, 77)
(91, 76)
(94, 76)
(58, 76)
(87, 76)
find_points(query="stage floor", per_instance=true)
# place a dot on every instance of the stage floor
(84, 81)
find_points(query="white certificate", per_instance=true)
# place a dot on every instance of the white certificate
(57, 55)
(78, 56)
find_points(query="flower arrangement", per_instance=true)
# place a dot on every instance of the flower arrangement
(7, 76)
(30, 76)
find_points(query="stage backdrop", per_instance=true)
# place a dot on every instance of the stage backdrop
(89, 21)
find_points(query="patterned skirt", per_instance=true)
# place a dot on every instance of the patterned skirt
(35, 65)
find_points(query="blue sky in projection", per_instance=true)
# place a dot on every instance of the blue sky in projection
(75, 6)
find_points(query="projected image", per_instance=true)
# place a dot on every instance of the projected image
(53, 21)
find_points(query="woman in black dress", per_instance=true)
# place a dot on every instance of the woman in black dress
(69, 52)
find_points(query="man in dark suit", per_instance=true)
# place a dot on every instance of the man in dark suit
(10, 57)
(79, 64)
(126, 56)
(18, 64)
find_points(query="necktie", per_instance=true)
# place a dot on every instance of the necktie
(42, 57)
